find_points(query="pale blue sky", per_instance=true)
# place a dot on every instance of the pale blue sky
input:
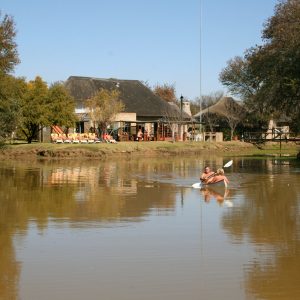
(149, 40)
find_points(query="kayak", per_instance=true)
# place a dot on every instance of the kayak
(200, 185)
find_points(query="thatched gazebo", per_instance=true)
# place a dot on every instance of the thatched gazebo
(226, 110)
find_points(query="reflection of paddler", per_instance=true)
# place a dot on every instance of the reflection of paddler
(208, 194)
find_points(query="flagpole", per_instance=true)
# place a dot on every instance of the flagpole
(200, 52)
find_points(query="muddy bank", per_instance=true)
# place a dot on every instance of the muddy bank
(103, 151)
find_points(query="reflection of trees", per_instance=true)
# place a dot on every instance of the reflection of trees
(278, 279)
(9, 267)
(269, 217)
(87, 193)
(83, 193)
(98, 193)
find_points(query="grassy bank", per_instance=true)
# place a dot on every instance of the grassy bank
(102, 150)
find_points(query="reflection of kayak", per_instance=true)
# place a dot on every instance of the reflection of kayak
(199, 185)
(219, 194)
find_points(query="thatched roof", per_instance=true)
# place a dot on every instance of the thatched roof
(136, 97)
(221, 107)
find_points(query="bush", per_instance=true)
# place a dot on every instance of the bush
(2, 143)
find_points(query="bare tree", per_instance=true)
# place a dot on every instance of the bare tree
(206, 101)
(233, 114)
(166, 92)
(173, 118)
(212, 119)
(103, 107)
(171, 122)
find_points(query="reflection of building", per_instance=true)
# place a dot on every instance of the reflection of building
(91, 176)
(126, 186)
(72, 175)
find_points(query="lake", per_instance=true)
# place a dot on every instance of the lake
(135, 229)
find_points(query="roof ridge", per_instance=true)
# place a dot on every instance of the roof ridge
(102, 79)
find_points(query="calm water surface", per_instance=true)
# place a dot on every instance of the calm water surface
(136, 230)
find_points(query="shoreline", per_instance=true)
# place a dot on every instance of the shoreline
(145, 149)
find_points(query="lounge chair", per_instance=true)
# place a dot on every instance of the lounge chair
(60, 139)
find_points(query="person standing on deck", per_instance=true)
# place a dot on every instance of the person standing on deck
(140, 135)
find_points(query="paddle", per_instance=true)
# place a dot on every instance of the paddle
(228, 164)
(198, 185)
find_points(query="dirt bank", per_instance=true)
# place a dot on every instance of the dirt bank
(103, 151)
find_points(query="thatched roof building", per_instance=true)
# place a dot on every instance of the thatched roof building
(222, 108)
(136, 97)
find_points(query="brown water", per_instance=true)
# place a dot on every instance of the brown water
(137, 230)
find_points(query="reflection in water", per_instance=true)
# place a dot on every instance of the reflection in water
(129, 215)
(81, 195)
(269, 218)
(214, 193)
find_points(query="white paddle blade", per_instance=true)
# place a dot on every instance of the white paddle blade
(228, 164)
(228, 203)
(197, 185)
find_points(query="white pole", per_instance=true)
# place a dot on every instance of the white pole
(200, 98)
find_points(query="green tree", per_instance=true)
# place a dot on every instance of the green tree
(42, 106)
(61, 106)
(280, 59)
(268, 76)
(8, 47)
(103, 107)
(11, 92)
(241, 80)
(35, 109)
(237, 77)
(9, 87)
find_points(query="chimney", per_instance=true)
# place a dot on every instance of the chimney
(186, 107)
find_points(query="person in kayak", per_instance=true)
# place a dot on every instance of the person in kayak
(216, 177)
(207, 173)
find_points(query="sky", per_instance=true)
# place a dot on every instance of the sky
(185, 43)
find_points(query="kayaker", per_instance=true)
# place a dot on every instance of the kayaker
(218, 176)
(207, 173)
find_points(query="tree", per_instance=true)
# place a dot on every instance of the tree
(172, 121)
(11, 93)
(166, 92)
(103, 107)
(241, 80)
(267, 77)
(211, 99)
(233, 114)
(10, 88)
(35, 109)
(61, 106)
(8, 47)
(41, 106)
(208, 100)
(237, 77)
(212, 120)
